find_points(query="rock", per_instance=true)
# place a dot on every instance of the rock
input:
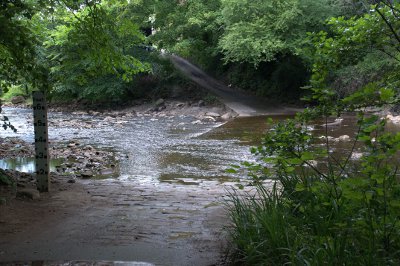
(337, 122)
(78, 113)
(209, 118)
(160, 108)
(197, 122)
(201, 103)
(29, 193)
(108, 119)
(159, 102)
(212, 114)
(71, 181)
(393, 119)
(226, 117)
(330, 138)
(344, 138)
(87, 174)
(107, 171)
(18, 99)
(88, 147)
(180, 105)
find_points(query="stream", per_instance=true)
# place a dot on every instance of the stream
(169, 149)
(155, 150)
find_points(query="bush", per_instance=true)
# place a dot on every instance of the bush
(336, 212)
(16, 91)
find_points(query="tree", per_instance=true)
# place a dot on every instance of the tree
(365, 47)
(91, 49)
(189, 28)
(258, 31)
(17, 42)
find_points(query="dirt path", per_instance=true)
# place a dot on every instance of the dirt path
(116, 221)
(242, 104)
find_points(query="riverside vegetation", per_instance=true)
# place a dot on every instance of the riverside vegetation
(325, 208)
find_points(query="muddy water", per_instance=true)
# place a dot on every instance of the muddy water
(170, 149)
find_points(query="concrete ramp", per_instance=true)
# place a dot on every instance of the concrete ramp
(242, 104)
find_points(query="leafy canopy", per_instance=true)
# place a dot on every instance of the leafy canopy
(257, 31)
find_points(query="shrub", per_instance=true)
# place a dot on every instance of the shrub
(338, 212)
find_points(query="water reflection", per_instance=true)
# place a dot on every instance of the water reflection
(26, 165)
(165, 150)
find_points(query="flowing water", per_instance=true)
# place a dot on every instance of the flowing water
(171, 149)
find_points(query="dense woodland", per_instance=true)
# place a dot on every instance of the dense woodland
(339, 55)
(97, 50)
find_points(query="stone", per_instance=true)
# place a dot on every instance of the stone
(71, 181)
(107, 171)
(87, 174)
(344, 138)
(159, 102)
(393, 119)
(29, 193)
(197, 122)
(226, 117)
(201, 103)
(209, 118)
(213, 114)
(17, 99)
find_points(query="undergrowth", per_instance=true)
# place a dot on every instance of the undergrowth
(324, 208)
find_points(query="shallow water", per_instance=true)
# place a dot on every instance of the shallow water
(155, 150)
(171, 149)
(26, 165)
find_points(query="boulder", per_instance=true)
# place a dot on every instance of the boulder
(17, 99)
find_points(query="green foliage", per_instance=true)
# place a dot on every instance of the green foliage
(336, 212)
(357, 51)
(257, 31)
(91, 50)
(188, 28)
(18, 90)
(16, 42)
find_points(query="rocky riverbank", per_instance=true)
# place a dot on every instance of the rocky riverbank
(75, 161)
(80, 161)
